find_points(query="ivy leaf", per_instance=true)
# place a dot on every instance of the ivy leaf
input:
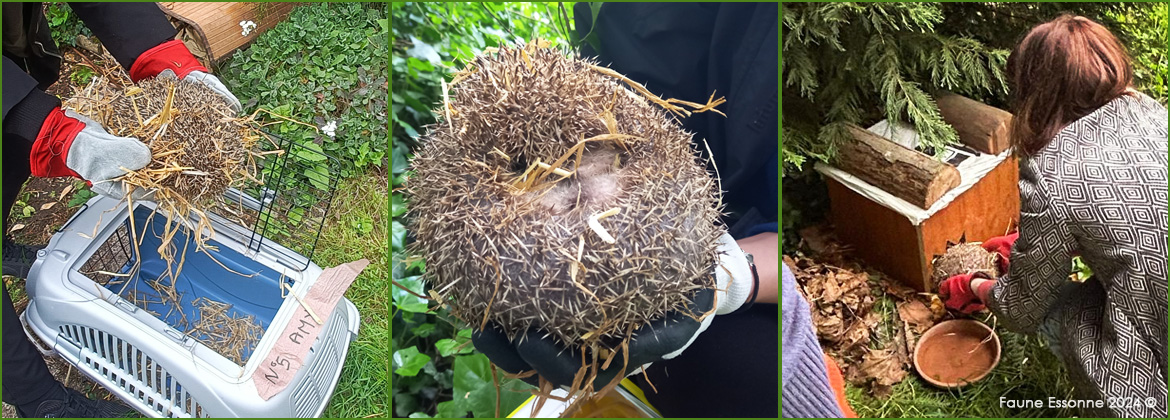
(449, 410)
(397, 236)
(397, 205)
(476, 392)
(423, 330)
(311, 152)
(423, 51)
(317, 176)
(405, 300)
(460, 345)
(409, 361)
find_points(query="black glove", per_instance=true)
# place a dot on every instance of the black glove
(661, 339)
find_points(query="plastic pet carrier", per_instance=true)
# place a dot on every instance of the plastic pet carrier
(186, 344)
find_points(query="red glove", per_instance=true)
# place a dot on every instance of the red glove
(170, 55)
(173, 58)
(47, 158)
(69, 144)
(1002, 245)
(956, 293)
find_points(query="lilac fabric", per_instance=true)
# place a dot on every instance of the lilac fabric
(805, 390)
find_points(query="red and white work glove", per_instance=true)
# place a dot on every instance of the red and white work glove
(173, 59)
(69, 144)
(966, 293)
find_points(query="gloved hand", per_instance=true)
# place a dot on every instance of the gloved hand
(957, 294)
(1002, 245)
(662, 339)
(173, 59)
(69, 144)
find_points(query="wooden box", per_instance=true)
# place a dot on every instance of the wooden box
(889, 242)
(212, 30)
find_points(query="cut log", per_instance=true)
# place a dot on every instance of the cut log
(907, 174)
(982, 127)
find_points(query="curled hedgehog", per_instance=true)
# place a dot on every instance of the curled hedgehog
(557, 194)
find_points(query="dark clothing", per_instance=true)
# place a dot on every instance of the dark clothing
(687, 51)
(690, 50)
(26, 376)
(725, 373)
(31, 64)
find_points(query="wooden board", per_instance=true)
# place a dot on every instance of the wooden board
(887, 241)
(990, 208)
(212, 30)
(881, 237)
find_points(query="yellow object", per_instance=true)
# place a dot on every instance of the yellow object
(618, 404)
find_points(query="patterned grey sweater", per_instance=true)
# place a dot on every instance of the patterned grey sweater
(1099, 190)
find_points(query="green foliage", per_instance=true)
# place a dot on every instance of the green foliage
(82, 196)
(81, 75)
(430, 42)
(409, 361)
(64, 26)
(1143, 30)
(1080, 270)
(853, 63)
(326, 63)
(859, 62)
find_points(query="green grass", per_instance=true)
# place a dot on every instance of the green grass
(357, 228)
(1027, 370)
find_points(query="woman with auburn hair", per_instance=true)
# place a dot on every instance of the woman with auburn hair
(1093, 166)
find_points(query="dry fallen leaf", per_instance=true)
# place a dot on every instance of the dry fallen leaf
(16, 227)
(883, 367)
(915, 312)
(831, 291)
(842, 295)
(47, 206)
(68, 188)
(857, 334)
(898, 290)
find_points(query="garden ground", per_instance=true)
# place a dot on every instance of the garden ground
(355, 228)
(1027, 370)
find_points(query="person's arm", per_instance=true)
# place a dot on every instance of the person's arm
(62, 142)
(141, 38)
(126, 29)
(805, 388)
(1040, 258)
(764, 247)
(25, 106)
